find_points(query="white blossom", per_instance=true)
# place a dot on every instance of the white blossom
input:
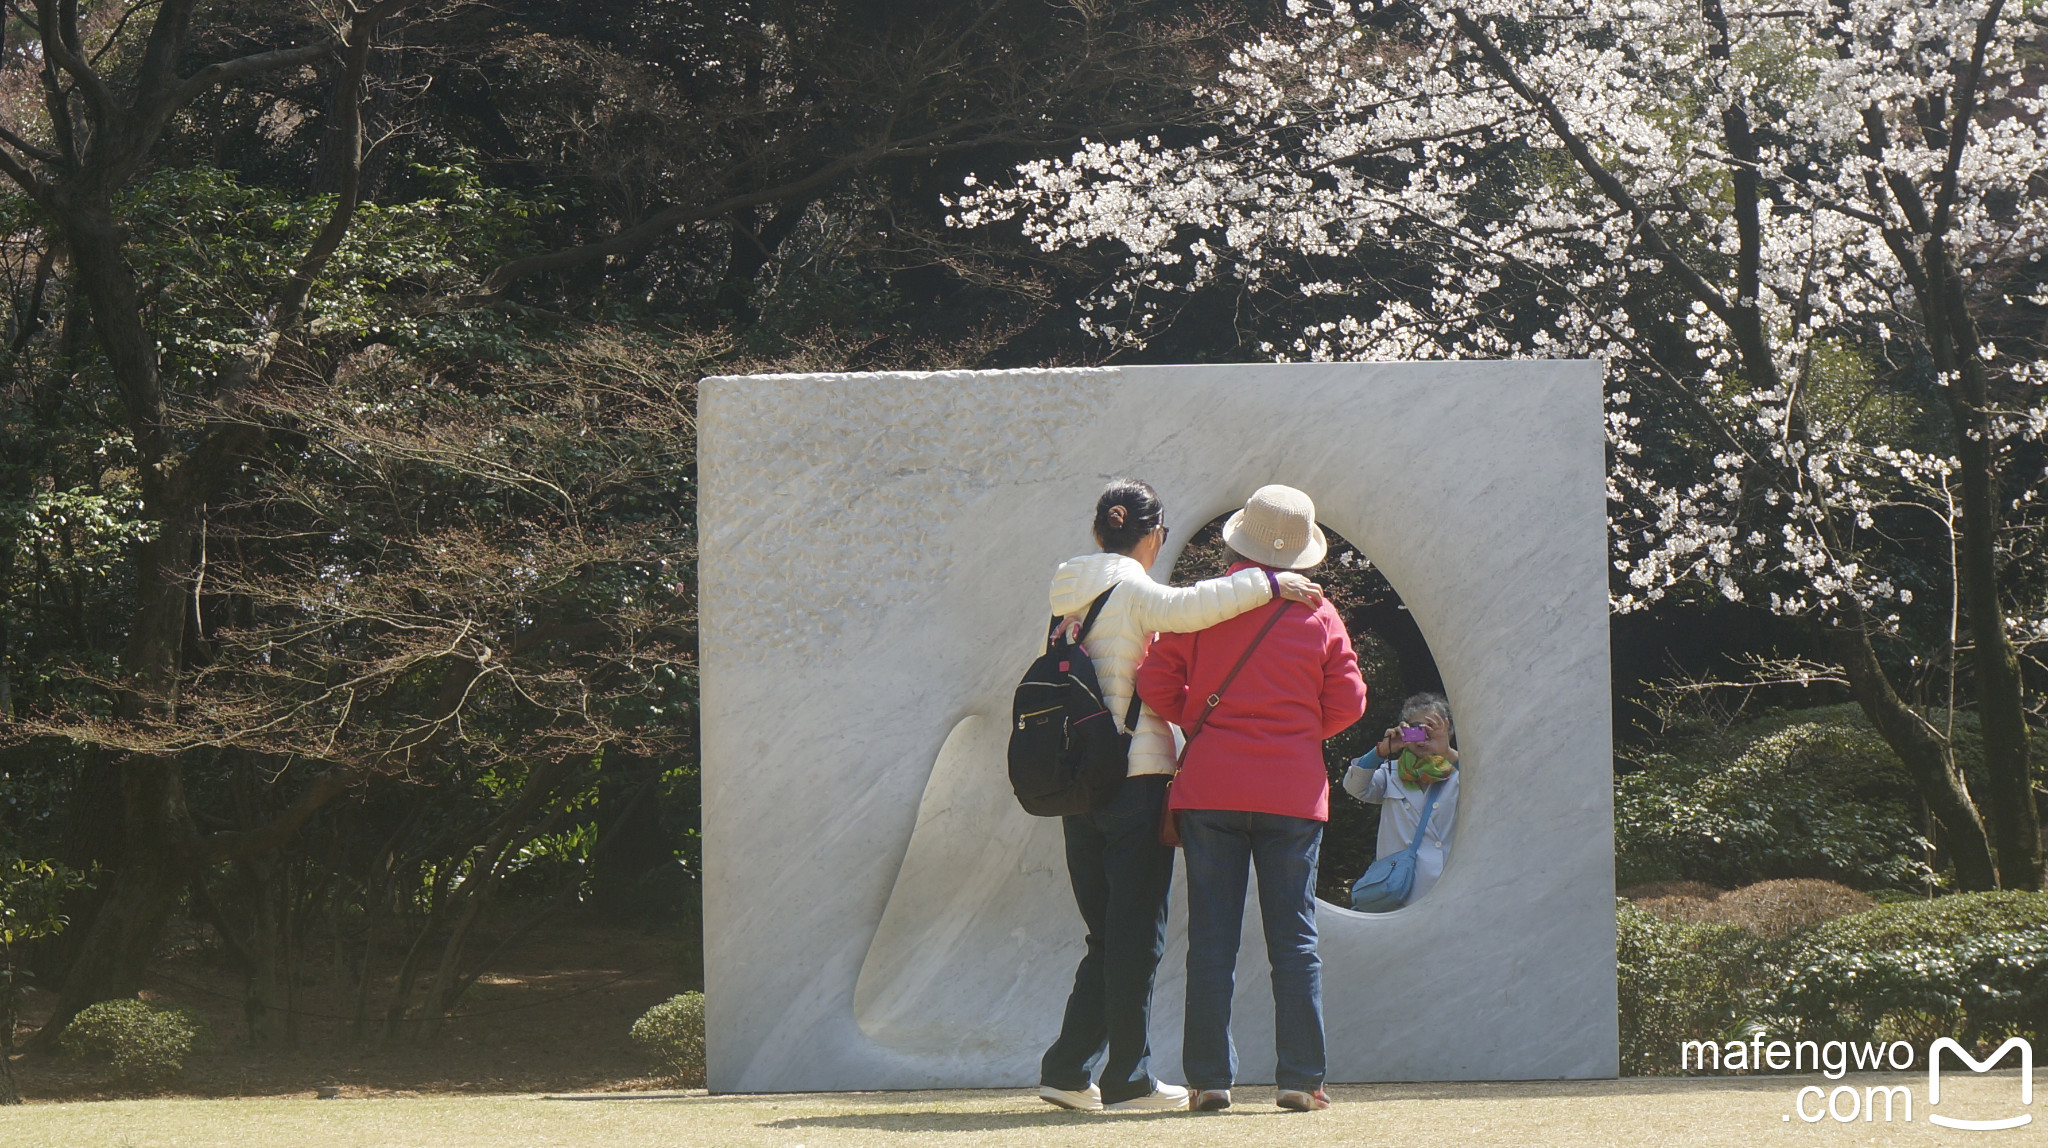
(1342, 145)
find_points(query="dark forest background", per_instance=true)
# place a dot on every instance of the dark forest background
(347, 571)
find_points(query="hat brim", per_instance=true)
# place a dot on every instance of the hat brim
(1317, 549)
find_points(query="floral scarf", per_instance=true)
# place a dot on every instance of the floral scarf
(1422, 772)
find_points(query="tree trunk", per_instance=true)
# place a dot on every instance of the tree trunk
(2001, 701)
(409, 969)
(1927, 762)
(749, 250)
(475, 894)
(155, 865)
(157, 632)
(629, 814)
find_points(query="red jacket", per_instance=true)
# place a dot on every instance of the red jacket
(1262, 749)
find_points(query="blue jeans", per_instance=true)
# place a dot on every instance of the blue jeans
(1121, 874)
(1221, 845)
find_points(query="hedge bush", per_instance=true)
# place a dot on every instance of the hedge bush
(1772, 910)
(1921, 923)
(1811, 793)
(1680, 981)
(1983, 988)
(672, 1035)
(136, 1041)
(1972, 966)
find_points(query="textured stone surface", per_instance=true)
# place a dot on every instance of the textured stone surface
(875, 554)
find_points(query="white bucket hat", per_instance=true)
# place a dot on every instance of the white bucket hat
(1277, 527)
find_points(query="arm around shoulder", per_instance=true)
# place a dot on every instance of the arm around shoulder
(1185, 609)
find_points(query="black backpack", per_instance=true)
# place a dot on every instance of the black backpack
(1067, 754)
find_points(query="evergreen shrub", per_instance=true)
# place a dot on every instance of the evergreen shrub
(672, 1035)
(1679, 981)
(1919, 923)
(1981, 989)
(1972, 966)
(1811, 793)
(136, 1041)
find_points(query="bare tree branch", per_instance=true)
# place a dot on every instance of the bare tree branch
(663, 223)
(160, 52)
(348, 106)
(241, 68)
(1947, 186)
(57, 24)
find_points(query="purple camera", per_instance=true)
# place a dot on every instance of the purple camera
(1414, 733)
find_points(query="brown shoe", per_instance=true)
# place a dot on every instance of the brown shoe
(1296, 1100)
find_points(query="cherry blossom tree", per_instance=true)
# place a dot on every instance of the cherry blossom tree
(1803, 234)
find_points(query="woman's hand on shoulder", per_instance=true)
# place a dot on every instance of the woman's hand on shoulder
(1296, 587)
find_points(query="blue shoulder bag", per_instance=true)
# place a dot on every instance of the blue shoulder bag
(1386, 885)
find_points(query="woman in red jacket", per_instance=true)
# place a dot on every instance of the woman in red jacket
(1252, 791)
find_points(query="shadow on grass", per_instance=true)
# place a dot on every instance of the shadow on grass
(993, 1121)
(1557, 1089)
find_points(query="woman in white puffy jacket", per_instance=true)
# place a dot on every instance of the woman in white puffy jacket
(1120, 871)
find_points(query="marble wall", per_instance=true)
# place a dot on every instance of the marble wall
(880, 914)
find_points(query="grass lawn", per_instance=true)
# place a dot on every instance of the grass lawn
(1626, 1114)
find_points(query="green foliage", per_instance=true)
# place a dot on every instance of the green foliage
(1984, 987)
(672, 1035)
(32, 896)
(136, 1041)
(76, 532)
(1812, 793)
(1972, 966)
(1969, 966)
(212, 243)
(1679, 982)
(1917, 924)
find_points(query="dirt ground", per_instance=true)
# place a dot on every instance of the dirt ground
(553, 1016)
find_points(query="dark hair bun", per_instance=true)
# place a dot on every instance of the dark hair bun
(1127, 511)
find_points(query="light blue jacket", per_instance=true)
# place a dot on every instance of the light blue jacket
(1372, 779)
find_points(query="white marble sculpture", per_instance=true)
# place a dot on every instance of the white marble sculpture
(878, 911)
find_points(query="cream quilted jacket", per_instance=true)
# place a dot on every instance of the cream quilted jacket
(1140, 608)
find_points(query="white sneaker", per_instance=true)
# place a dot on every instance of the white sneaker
(1088, 1101)
(1165, 1097)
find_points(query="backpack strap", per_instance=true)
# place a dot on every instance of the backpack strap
(1094, 609)
(1087, 623)
(1101, 600)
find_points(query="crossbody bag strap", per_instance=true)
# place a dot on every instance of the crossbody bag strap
(1422, 826)
(1210, 706)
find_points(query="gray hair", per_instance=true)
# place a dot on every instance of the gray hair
(1419, 705)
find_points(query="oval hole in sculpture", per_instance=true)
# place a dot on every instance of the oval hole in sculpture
(1392, 656)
